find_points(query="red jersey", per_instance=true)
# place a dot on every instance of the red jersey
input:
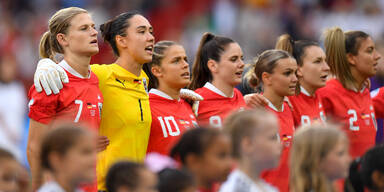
(377, 96)
(170, 119)
(355, 110)
(79, 101)
(279, 177)
(306, 109)
(216, 106)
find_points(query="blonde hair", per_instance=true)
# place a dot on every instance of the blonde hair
(242, 124)
(58, 23)
(311, 144)
(337, 45)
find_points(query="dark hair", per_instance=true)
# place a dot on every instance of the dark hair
(59, 140)
(337, 45)
(158, 55)
(211, 47)
(195, 141)
(266, 62)
(354, 181)
(116, 26)
(173, 180)
(4, 154)
(371, 161)
(295, 48)
(123, 174)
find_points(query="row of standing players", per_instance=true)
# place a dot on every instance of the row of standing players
(112, 99)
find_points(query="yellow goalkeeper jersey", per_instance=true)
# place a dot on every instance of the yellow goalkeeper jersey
(125, 118)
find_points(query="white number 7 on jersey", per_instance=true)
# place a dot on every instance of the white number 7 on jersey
(80, 103)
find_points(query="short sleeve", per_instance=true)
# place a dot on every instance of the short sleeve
(42, 108)
(101, 71)
(326, 101)
(378, 102)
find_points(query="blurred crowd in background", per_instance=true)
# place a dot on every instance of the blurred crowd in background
(254, 24)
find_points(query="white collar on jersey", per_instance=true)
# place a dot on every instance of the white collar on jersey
(161, 94)
(72, 71)
(211, 87)
(305, 92)
(365, 85)
(273, 107)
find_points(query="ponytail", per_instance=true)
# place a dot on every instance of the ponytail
(200, 72)
(210, 47)
(45, 50)
(285, 42)
(295, 48)
(334, 43)
(337, 45)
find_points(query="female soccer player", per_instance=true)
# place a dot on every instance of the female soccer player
(68, 152)
(171, 116)
(312, 74)
(217, 69)
(276, 70)
(352, 58)
(122, 83)
(72, 33)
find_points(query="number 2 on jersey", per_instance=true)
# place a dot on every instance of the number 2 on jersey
(352, 120)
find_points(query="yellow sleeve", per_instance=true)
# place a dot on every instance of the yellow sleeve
(101, 71)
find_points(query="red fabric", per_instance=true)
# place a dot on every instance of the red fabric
(378, 103)
(355, 110)
(215, 108)
(306, 109)
(78, 93)
(279, 177)
(170, 119)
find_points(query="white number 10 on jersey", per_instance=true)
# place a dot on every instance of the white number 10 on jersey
(167, 128)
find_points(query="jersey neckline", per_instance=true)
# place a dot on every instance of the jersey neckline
(214, 89)
(72, 71)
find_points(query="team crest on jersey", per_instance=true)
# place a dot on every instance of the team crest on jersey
(92, 109)
(286, 140)
(366, 118)
(183, 122)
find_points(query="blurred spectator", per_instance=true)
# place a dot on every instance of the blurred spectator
(13, 177)
(12, 106)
